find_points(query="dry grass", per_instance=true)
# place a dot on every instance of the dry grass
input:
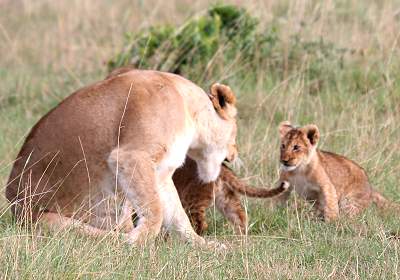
(50, 48)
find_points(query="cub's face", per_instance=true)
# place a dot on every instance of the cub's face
(218, 139)
(297, 145)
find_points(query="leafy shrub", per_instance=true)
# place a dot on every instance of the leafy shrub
(228, 38)
(195, 42)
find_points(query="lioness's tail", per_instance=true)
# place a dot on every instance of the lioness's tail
(230, 179)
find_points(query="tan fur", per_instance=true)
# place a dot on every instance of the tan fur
(218, 93)
(117, 143)
(197, 196)
(334, 183)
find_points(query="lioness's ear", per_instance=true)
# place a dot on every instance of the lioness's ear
(312, 133)
(284, 128)
(223, 100)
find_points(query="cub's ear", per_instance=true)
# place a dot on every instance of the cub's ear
(312, 133)
(223, 100)
(284, 128)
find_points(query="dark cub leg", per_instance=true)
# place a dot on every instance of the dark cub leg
(228, 203)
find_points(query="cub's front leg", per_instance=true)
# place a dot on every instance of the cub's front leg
(328, 200)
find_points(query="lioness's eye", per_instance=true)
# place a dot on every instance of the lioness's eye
(282, 146)
(296, 147)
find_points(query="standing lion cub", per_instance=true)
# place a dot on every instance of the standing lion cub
(117, 143)
(196, 196)
(333, 182)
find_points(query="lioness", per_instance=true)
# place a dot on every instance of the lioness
(118, 142)
(197, 196)
(333, 182)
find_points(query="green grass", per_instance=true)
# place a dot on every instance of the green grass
(51, 48)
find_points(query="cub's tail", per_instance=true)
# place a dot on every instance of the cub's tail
(380, 200)
(230, 179)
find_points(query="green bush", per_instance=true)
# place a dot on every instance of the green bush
(194, 43)
(228, 37)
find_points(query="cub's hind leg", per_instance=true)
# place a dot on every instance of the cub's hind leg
(353, 204)
(135, 172)
(228, 203)
(197, 213)
(198, 198)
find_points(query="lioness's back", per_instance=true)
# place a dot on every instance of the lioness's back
(65, 154)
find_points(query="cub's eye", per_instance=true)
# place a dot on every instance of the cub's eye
(296, 148)
(282, 146)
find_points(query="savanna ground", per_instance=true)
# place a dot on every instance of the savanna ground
(48, 49)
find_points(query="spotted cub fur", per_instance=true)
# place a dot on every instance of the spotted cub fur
(197, 196)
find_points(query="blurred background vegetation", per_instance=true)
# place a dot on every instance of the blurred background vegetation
(227, 36)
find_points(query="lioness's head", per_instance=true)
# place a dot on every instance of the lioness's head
(297, 144)
(217, 139)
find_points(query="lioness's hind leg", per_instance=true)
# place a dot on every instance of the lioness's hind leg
(135, 173)
(57, 222)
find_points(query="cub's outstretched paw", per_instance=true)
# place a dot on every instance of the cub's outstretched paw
(285, 185)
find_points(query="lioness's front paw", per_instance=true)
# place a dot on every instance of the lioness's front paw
(216, 245)
(130, 238)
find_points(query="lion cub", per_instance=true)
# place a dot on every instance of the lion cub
(196, 196)
(333, 182)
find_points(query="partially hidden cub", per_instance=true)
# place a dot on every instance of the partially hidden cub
(196, 196)
(332, 182)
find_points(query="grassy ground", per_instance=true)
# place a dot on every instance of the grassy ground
(50, 48)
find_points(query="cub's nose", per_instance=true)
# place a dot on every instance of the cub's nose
(285, 162)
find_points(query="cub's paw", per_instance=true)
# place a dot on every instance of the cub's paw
(285, 185)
